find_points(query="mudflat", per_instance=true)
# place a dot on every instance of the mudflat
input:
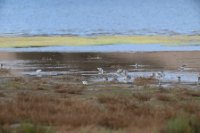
(166, 60)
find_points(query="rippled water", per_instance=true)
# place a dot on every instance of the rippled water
(93, 17)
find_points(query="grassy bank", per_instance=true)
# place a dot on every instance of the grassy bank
(63, 105)
(99, 40)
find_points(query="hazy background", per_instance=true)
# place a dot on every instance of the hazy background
(94, 17)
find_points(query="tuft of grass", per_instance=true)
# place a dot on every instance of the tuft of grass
(27, 128)
(142, 96)
(191, 107)
(91, 129)
(192, 93)
(117, 120)
(182, 124)
(70, 89)
(163, 97)
(5, 71)
(2, 94)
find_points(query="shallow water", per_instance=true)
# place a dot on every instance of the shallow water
(86, 64)
(106, 48)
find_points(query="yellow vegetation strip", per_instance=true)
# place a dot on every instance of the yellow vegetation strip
(99, 40)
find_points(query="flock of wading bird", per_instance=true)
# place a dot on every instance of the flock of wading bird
(124, 73)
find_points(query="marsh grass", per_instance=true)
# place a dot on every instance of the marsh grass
(2, 94)
(182, 124)
(142, 96)
(144, 81)
(192, 93)
(5, 71)
(70, 89)
(112, 110)
(112, 113)
(27, 128)
(164, 97)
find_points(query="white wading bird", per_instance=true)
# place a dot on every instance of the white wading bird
(160, 76)
(136, 66)
(182, 68)
(119, 71)
(101, 72)
(84, 82)
(38, 71)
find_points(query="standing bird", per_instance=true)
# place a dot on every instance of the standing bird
(84, 82)
(38, 71)
(182, 68)
(125, 72)
(160, 76)
(101, 72)
(136, 66)
(127, 78)
(106, 78)
(114, 78)
(179, 79)
(119, 71)
(198, 79)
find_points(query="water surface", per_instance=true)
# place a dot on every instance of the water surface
(96, 17)
(106, 48)
(86, 64)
